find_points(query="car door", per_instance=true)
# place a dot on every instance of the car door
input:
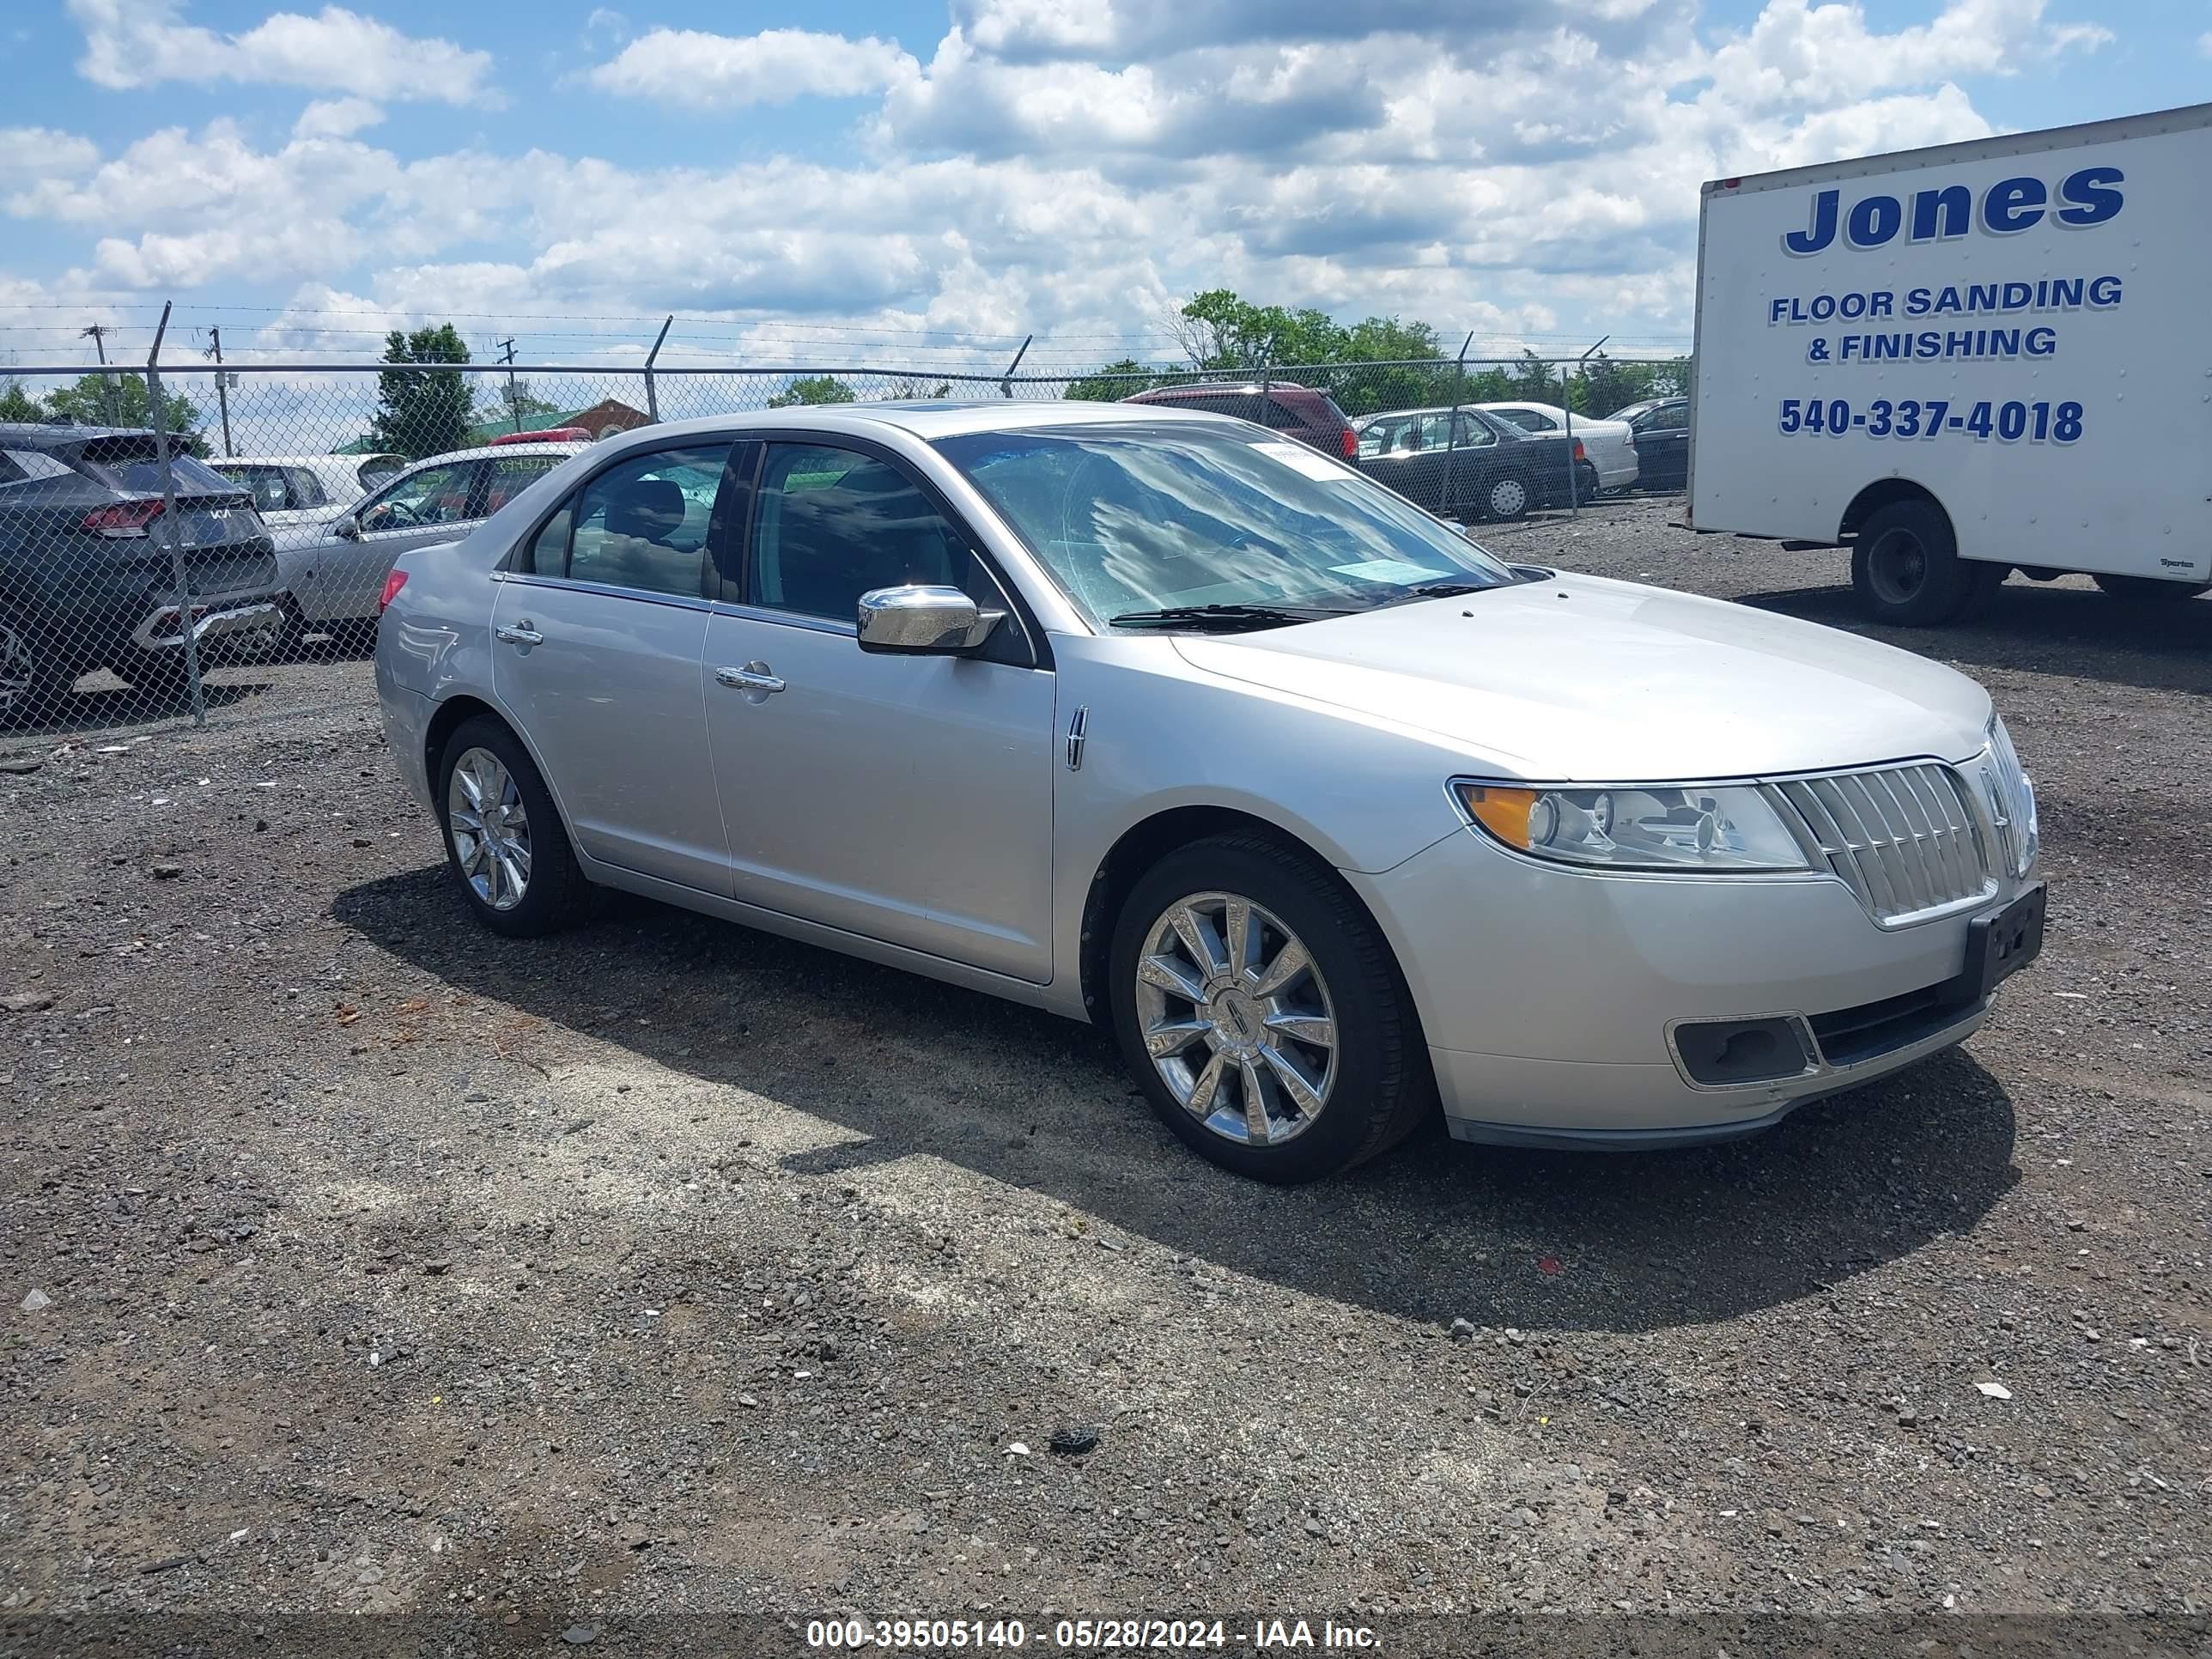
(906, 799)
(1663, 446)
(597, 631)
(342, 576)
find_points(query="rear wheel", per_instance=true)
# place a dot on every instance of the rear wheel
(1506, 498)
(33, 678)
(1262, 1014)
(2149, 587)
(1907, 567)
(1587, 484)
(504, 839)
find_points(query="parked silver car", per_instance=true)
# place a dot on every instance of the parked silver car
(298, 496)
(1148, 718)
(1609, 444)
(334, 568)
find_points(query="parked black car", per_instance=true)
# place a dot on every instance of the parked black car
(86, 580)
(1662, 441)
(1492, 470)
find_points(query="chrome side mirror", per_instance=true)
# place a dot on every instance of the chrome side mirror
(923, 619)
(347, 529)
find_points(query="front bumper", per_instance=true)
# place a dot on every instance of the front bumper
(1551, 999)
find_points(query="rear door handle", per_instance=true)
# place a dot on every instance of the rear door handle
(753, 676)
(520, 633)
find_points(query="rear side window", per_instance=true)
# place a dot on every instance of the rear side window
(513, 474)
(307, 489)
(643, 523)
(265, 483)
(134, 464)
(28, 466)
(1664, 420)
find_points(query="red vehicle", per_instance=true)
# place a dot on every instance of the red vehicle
(1296, 412)
(552, 435)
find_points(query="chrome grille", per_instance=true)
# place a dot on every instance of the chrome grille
(1905, 839)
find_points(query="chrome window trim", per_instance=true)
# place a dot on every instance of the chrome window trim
(604, 589)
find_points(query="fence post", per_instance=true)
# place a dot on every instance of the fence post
(172, 530)
(1567, 409)
(651, 396)
(1459, 396)
(1007, 380)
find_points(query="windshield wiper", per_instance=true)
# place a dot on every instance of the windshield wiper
(1226, 617)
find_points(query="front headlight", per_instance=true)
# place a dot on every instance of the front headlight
(1718, 828)
(2017, 793)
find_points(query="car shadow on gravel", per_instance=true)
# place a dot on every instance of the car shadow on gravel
(1433, 1232)
(2164, 646)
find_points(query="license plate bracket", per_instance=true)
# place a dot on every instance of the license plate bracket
(1999, 946)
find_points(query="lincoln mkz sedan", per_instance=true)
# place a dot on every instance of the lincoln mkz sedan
(1146, 717)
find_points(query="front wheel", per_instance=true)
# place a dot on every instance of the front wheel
(1261, 1013)
(1907, 567)
(504, 839)
(2149, 587)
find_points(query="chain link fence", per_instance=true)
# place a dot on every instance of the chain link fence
(183, 544)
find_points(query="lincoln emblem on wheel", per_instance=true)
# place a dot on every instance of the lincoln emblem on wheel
(1342, 824)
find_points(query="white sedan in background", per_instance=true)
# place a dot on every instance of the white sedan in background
(1611, 445)
(297, 495)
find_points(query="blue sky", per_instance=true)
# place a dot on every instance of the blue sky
(927, 183)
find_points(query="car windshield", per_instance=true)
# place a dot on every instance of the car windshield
(1144, 517)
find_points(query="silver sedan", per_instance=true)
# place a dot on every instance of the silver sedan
(1334, 817)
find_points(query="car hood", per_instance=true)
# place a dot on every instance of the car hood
(1580, 680)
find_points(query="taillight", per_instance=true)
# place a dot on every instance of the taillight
(1350, 442)
(392, 584)
(123, 519)
(1581, 454)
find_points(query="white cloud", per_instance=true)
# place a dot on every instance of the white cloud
(336, 117)
(708, 71)
(142, 43)
(43, 153)
(2205, 43)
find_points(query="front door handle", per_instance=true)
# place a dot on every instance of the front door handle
(520, 633)
(753, 676)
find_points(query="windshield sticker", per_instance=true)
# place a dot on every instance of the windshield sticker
(1299, 459)
(1388, 570)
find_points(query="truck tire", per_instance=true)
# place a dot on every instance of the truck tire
(1906, 568)
(2149, 587)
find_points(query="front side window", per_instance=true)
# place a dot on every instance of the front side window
(1129, 518)
(435, 495)
(643, 523)
(831, 525)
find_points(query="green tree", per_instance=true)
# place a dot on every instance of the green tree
(92, 400)
(1112, 383)
(810, 390)
(420, 413)
(17, 405)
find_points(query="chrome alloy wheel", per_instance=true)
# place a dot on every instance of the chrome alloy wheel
(1236, 1017)
(490, 829)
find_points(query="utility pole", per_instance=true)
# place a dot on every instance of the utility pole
(221, 388)
(99, 333)
(513, 403)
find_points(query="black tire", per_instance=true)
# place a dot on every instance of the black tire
(1381, 1090)
(556, 892)
(34, 676)
(1907, 567)
(1587, 482)
(2137, 589)
(1506, 496)
(161, 677)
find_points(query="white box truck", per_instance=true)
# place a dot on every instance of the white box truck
(1967, 360)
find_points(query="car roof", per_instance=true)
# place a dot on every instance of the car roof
(505, 452)
(925, 419)
(333, 461)
(44, 434)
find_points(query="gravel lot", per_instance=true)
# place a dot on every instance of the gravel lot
(370, 1263)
